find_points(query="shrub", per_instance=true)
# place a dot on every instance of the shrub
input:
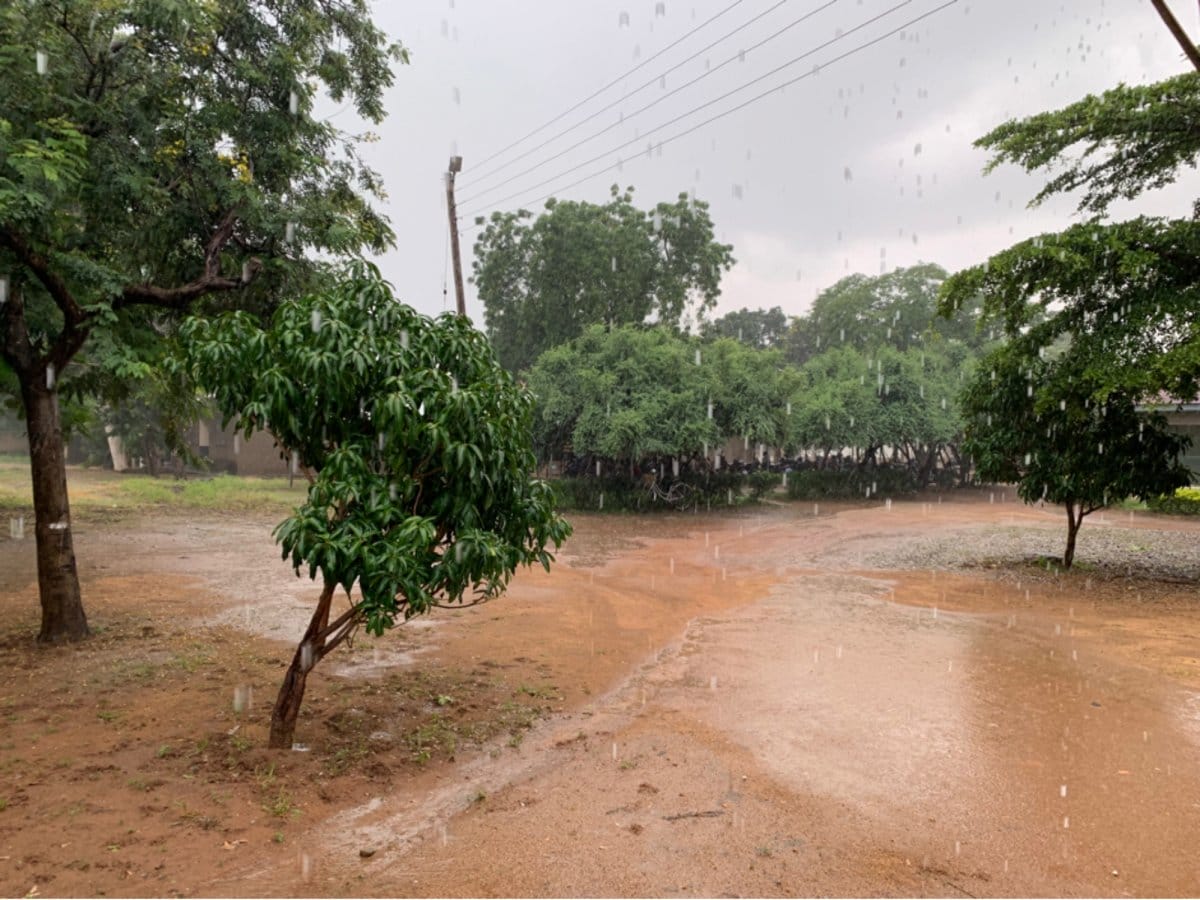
(709, 491)
(763, 481)
(1184, 502)
(850, 484)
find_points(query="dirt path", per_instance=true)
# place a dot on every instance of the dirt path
(760, 704)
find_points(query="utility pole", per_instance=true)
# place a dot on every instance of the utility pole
(1189, 49)
(455, 168)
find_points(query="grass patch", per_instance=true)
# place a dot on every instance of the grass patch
(194, 658)
(95, 491)
(281, 806)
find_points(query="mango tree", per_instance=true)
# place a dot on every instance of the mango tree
(417, 444)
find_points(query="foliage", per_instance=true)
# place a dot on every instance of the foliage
(622, 394)
(850, 484)
(156, 156)
(897, 309)
(708, 490)
(758, 328)
(762, 482)
(905, 399)
(1184, 502)
(1033, 419)
(544, 280)
(1130, 139)
(627, 394)
(1101, 317)
(418, 445)
(138, 397)
(749, 390)
(1124, 296)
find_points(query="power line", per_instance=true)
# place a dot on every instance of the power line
(739, 55)
(615, 81)
(634, 92)
(726, 95)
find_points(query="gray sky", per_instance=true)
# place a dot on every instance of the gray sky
(863, 164)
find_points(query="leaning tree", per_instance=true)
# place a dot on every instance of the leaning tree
(418, 447)
(157, 156)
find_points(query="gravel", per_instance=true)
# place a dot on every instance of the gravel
(1102, 549)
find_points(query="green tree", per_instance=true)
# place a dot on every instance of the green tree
(749, 390)
(1034, 421)
(905, 400)
(153, 155)
(543, 280)
(622, 394)
(1102, 317)
(836, 407)
(898, 309)
(418, 445)
(758, 328)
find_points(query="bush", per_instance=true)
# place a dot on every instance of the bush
(763, 481)
(713, 490)
(585, 494)
(1184, 502)
(850, 484)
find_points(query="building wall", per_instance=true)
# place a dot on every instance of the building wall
(229, 452)
(1188, 423)
(12, 434)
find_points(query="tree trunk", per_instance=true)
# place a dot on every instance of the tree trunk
(1074, 520)
(152, 460)
(63, 618)
(291, 692)
(927, 467)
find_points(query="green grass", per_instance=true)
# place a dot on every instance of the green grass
(96, 490)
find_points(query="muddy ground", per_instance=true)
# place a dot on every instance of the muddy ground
(789, 700)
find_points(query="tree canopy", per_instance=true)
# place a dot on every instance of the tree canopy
(1101, 319)
(1109, 147)
(543, 280)
(622, 394)
(759, 328)
(897, 309)
(418, 445)
(153, 155)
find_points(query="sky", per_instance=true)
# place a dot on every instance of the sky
(864, 163)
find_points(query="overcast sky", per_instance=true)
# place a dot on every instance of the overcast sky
(862, 164)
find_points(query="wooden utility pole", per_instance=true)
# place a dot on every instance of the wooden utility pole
(456, 255)
(1168, 17)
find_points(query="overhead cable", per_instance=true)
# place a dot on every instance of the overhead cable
(612, 83)
(726, 95)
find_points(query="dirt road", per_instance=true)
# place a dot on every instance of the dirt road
(787, 702)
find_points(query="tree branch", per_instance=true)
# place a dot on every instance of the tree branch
(1168, 17)
(353, 613)
(347, 624)
(209, 282)
(480, 598)
(16, 349)
(40, 266)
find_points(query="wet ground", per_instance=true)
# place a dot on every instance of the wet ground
(768, 703)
